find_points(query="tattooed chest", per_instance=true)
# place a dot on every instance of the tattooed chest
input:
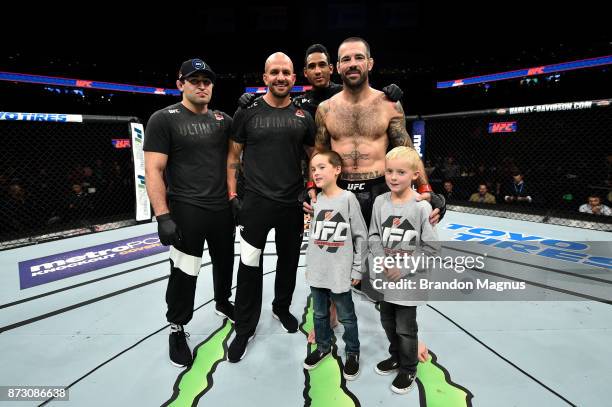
(359, 123)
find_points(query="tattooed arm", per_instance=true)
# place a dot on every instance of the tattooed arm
(322, 137)
(233, 165)
(398, 136)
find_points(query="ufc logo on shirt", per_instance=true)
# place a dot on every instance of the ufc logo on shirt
(330, 231)
(392, 235)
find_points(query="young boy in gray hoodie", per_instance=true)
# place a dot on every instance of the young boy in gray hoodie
(337, 236)
(400, 226)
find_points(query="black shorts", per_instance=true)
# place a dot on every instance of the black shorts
(366, 192)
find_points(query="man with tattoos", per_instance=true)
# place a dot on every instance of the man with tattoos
(361, 124)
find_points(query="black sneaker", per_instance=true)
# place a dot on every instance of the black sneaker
(403, 383)
(225, 309)
(238, 347)
(180, 354)
(315, 358)
(288, 321)
(351, 367)
(387, 366)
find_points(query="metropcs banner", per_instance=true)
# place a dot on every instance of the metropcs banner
(63, 265)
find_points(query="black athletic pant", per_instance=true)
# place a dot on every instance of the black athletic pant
(196, 225)
(257, 217)
(366, 193)
(400, 325)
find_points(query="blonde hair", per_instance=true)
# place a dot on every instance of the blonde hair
(407, 154)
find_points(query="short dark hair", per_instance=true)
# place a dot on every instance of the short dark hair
(333, 157)
(316, 48)
(356, 39)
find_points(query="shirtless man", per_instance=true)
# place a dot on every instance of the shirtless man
(361, 124)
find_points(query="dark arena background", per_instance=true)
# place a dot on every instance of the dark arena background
(490, 96)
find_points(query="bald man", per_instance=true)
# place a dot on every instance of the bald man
(272, 133)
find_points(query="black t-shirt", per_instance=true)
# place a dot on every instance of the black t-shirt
(310, 100)
(196, 145)
(273, 140)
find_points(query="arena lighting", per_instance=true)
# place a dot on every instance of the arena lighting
(85, 84)
(264, 89)
(539, 70)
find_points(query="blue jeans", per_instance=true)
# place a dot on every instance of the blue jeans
(346, 315)
(400, 325)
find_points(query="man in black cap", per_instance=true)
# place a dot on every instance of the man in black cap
(187, 142)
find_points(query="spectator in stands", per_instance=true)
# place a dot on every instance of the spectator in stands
(451, 169)
(517, 191)
(483, 174)
(433, 171)
(76, 176)
(595, 207)
(79, 205)
(100, 173)
(20, 213)
(119, 185)
(88, 181)
(450, 193)
(483, 195)
(48, 197)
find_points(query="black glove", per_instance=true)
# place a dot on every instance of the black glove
(168, 232)
(246, 100)
(297, 102)
(305, 196)
(393, 92)
(438, 202)
(236, 205)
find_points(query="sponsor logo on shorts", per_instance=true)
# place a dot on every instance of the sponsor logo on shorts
(356, 186)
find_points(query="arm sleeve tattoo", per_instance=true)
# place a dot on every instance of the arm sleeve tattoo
(322, 137)
(398, 135)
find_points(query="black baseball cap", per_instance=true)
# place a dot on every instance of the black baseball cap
(194, 66)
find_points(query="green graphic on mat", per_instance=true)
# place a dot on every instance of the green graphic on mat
(327, 388)
(324, 386)
(436, 387)
(194, 382)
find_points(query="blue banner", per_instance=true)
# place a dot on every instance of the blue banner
(418, 136)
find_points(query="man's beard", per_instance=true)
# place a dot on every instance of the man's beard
(195, 100)
(357, 84)
(279, 95)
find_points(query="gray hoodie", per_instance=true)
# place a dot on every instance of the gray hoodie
(398, 229)
(337, 236)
